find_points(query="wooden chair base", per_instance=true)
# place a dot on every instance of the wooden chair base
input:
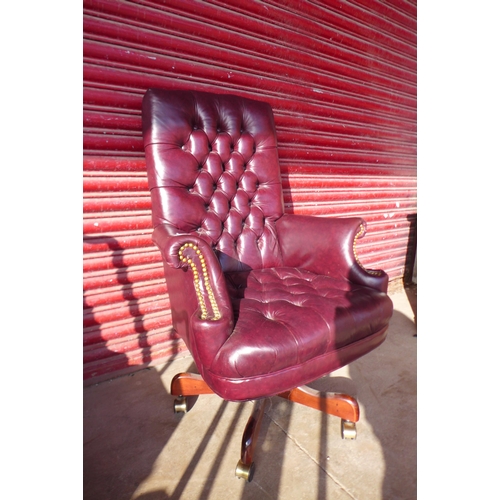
(245, 468)
(346, 407)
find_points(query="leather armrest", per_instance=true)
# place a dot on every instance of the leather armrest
(191, 252)
(212, 321)
(327, 246)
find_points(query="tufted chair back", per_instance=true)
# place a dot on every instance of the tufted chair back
(228, 191)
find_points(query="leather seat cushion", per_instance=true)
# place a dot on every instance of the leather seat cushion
(286, 317)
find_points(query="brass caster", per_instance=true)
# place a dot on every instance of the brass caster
(348, 429)
(180, 405)
(244, 471)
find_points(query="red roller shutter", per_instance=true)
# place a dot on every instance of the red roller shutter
(341, 77)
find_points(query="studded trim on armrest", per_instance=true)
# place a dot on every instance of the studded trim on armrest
(190, 253)
(360, 234)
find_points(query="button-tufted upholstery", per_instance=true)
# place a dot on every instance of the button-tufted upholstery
(265, 301)
(218, 160)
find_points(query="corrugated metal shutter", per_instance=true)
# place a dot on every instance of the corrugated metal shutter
(341, 77)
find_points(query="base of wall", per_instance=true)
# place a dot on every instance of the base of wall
(180, 353)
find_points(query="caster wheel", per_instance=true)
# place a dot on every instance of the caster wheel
(244, 471)
(348, 429)
(180, 405)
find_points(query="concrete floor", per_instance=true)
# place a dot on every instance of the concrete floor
(136, 448)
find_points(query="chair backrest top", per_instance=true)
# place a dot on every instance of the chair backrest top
(213, 170)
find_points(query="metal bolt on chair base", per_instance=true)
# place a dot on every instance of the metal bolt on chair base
(348, 429)
(244, 471)
(180, 405)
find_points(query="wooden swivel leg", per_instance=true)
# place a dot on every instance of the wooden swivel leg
(184, 385)
(245, 468)
(339, 405)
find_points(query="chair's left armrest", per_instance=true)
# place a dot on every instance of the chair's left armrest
(327, 246)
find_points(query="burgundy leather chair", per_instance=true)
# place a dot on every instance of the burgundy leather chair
(266, 302)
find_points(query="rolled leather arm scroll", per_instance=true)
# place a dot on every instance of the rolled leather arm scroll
(327, 246)
(191, 252)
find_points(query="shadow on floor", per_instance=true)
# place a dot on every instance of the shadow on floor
(135, 448)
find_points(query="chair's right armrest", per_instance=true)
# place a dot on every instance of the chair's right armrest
(204, 315)
(187, 251)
